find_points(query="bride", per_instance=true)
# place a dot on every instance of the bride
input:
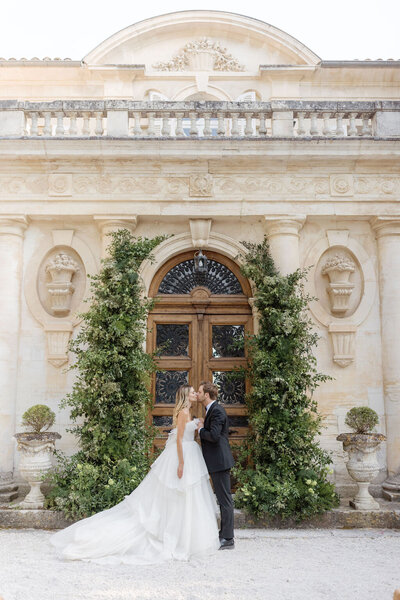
(170, 515)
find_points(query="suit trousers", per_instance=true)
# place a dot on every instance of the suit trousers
(222, 487)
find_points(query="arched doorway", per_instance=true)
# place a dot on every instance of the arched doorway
(194, 325)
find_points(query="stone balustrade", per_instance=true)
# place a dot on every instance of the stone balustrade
(124, 118)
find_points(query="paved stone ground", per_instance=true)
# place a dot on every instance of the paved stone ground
(266, 564)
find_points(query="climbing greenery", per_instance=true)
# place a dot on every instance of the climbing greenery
(282, 470)
(110, 398)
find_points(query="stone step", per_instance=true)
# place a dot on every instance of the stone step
(8, 491)
(344, 517)
(391, 496)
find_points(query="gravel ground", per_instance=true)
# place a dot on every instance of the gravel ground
(266, 564)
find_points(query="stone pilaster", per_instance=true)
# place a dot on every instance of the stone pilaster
(112, 223)
(283, 236)
(387, 232)
(12, 230)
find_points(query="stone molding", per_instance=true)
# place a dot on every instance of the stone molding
(385, 226)
(112, 223)
(58, 329)
(13, 225)
(283, 225)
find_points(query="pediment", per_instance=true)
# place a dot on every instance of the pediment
(201, 40)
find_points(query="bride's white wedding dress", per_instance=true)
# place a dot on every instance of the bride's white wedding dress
(163, 518)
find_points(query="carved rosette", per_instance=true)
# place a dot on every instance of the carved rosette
(61, 269)
(201, 185)
(338, 268)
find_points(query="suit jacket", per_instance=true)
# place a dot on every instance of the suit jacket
(215, 440)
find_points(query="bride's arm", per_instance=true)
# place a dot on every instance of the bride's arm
(179, 435)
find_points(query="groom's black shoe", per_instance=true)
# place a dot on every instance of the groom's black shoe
(227, 544)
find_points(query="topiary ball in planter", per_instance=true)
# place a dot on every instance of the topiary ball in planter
(362, 419)
(38, 417)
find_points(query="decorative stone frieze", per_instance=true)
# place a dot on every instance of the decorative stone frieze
(341, 185)
(201, 55)
(201, 185)
(60, 184)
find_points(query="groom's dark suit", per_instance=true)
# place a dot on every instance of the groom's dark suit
(219, 461)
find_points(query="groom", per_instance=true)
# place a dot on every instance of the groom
(218, 457)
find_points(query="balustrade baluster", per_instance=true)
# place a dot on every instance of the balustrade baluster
(262, 130)
(151, 124)
(47, 129)
(166, 128)
(34, 123)
(248, 131)
(193, 124)
(326, 129)
(99, 124)
(366, 129)
(221, 124)
(352, 125)
(207, 132)
(339, 124)
(314, 124)
(137, 130)
(73, 127)
(179, 126)
(235, 124)
(60, 123)
(301, 130)
(86, 126)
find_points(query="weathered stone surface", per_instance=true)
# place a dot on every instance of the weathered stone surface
(386, 124)
(387, 517)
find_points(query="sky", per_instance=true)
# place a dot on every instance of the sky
(344, 29)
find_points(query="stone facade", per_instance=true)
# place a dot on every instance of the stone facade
(215, 128)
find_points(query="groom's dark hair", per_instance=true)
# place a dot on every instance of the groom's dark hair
(210, 389)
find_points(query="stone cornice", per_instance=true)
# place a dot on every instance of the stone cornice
(13, 225)
(388, 225)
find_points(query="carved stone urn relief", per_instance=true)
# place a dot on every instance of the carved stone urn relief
(61, 269)
(342, 277)
(339, 268)
(56, 286)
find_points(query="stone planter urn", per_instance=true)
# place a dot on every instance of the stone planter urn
(36, 449)
(362, 465)
(339, 268)
(61, 269)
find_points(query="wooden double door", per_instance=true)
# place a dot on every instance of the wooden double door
(199, 337)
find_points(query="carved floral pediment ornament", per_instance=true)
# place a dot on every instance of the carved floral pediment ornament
(338, 268)
(201, 55)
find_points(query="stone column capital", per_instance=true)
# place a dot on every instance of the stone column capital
(284, 225)
(386, 226)
(13, 225)
(113, 222)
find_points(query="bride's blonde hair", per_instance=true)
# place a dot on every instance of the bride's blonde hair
(181, 402)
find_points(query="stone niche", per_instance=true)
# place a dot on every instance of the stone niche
(339, 282)
(61, 281)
